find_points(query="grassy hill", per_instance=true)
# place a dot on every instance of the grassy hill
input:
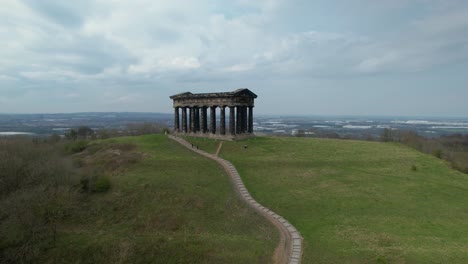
(165, 204)
(355, 201)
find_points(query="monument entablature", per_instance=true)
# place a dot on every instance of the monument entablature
(240, 103)
(240, 97)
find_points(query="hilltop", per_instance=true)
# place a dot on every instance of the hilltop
(139, 199)
(148, 199)
(357, 201)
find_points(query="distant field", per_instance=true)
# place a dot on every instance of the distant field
(358, 202)
(173, 206)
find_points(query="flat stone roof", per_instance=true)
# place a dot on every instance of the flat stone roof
(243, 92)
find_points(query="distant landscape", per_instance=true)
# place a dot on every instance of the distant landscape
(49, 124)
(445, 138)
(327, 126)
(76, 187)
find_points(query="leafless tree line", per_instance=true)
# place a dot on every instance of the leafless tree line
(37, 186)
(134, 129)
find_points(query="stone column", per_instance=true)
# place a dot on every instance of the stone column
(232, 120)
(197, 119)
(189, 120)
(184, 119)
(213, 120)
(242, 129)
(204, 120)
(244, 119)
(192, 120)
(250, 130)
(239, 120)
(222, 120)
(176, 119)
(240, 116)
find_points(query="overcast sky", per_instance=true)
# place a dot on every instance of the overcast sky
(340, 57)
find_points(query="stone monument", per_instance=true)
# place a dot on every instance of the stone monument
(240, 103)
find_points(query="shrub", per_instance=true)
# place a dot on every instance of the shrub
(84, 184)
(71, 134)
(85, 132)
(414, 168)
(36, 192)
(387, 135)
(78, 163)
(437, 153)
(459, 167)
(95, 184)
(102, 184)
(76, 146)
(54, 138)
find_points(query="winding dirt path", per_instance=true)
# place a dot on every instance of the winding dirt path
(219, 148)
(290, 247)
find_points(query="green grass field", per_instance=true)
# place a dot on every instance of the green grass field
(171, 206)
(358, 202)
(208, 145)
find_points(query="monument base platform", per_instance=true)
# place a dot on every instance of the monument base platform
(215, 136)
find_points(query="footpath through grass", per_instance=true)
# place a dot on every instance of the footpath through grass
(208, 145)
(359, 202)
(172, 206)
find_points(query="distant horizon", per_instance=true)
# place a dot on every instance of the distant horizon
(255, 115)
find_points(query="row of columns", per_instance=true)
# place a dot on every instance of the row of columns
(240, 120)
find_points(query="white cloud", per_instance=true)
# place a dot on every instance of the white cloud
(161, 38)
(124, 99)
(144, 43)
(149, 65)
(239, 67)
(375, 64)
(52, 75)
(435, 40)
(7, 78)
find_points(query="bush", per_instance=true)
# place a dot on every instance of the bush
(36, 192)
(54, 138)
(95, 184)
(437, 153)
(414, 168)
(85, 132)
(387, 135)
(84, 184)
(102, 184)
(76, 146)
(459, 167)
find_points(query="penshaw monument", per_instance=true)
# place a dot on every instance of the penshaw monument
(194, 110)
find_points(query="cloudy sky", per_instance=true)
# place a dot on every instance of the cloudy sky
(340, 57)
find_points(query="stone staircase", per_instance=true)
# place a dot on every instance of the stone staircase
(291, 243)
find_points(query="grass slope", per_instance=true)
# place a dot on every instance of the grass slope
(208, 145)
(172, 206)
(359, 202)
